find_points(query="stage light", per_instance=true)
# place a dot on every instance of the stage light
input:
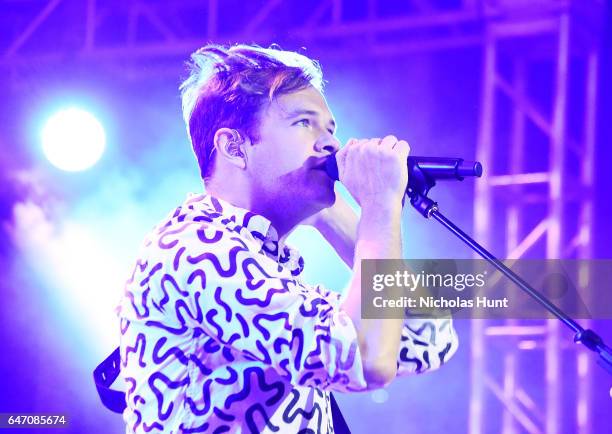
(73, 140)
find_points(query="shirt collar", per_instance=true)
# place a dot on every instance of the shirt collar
(257, 226)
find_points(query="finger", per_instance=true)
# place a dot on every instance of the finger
(388, 141)
(351, 141)
(373, 141)
(402, 146)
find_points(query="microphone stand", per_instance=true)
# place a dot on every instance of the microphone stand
(419, 186)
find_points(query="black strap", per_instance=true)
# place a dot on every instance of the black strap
(104, 376)
(107, 372)
(340, 426)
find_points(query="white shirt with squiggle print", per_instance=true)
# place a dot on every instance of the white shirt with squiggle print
(219, 334)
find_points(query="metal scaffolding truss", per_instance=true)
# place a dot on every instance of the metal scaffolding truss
(133, 30)
(136, 37)
(125, 31)
(513, 49)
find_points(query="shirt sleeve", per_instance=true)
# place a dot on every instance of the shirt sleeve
(426, 344)
(213, 282)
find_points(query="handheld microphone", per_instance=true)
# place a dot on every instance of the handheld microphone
(431, 168)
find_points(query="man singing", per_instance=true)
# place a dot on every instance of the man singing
(218, 331)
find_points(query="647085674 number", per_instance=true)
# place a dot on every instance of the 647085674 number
(29, 420)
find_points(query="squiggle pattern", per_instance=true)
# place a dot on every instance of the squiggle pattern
(219, 333)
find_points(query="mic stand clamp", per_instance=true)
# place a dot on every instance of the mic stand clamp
(419, 185)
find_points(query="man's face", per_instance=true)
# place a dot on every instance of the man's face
(286, 166)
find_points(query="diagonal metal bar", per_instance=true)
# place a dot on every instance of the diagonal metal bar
(31, 28)
(157, 22)
(527, 402)
(517, 412)
(319, 12)
(533, 236)
(258, 19)
(524, 105)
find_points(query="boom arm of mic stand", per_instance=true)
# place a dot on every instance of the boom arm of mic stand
(419, 186)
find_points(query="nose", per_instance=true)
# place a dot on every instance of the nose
(327, 143)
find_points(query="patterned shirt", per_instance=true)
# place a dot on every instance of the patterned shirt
(220, 334)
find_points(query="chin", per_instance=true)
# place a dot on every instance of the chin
(312, 202)
(330, 198)
(325, 198)
(310, 197)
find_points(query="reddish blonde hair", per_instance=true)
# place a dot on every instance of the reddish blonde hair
(229, 87)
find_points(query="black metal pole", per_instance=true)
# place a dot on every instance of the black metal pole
(428, 208)
(506, 271)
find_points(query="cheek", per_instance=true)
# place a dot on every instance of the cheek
(282, 149)
(266, 168)
(278, 161)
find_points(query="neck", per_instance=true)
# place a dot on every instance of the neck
(282, 212)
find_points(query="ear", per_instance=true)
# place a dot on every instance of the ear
(230, 145)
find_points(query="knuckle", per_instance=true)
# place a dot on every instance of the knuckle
(390, 139)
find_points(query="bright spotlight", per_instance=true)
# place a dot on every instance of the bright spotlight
(73, 140)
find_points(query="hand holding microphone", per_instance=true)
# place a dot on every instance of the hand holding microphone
(372, 170)
(421, 171)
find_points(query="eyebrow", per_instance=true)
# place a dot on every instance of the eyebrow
(298, 112)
